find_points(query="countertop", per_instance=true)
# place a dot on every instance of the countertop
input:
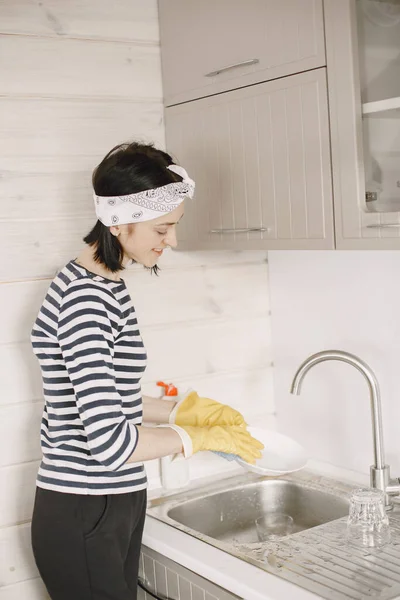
(227, 571)
(314, 558)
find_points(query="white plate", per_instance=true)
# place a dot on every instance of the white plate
(281, 454)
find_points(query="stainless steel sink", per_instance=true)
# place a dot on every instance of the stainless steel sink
(225, 511)
(230, 515)
(315, 557)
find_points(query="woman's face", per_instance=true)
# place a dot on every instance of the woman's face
(144, 242)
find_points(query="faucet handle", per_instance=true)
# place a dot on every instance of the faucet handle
(380, 478)
(393, 487)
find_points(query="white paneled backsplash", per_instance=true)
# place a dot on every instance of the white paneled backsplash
(50, 68)
(345, 301)
(135, 21)
(76, 80)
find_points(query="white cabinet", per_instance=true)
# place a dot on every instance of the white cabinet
(272, 165)
(363, 46)
(164, 578)
(211, 46)
(260, 157)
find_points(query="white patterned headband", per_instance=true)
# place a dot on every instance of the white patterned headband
(147, 205)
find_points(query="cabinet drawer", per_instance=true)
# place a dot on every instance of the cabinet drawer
(260, 157)
(213, 46)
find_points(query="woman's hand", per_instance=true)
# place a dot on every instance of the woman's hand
(195, 411)
(230, 439)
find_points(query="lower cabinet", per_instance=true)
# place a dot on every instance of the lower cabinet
(166, 580)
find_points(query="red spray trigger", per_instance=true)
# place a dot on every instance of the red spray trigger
(169, 388)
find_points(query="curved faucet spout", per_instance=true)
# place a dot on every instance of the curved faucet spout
(362, 367)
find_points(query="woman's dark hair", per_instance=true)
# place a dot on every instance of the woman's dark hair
(126, 169)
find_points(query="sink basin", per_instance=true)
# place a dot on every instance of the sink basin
(230, 515)
(221, 513)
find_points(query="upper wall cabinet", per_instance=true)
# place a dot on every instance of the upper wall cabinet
(260, 157)
(211, 46)
(247, 110)
(363, 49)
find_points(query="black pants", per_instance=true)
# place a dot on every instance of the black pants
(88, 547)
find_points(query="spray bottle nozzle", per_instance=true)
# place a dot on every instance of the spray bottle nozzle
(169, 388)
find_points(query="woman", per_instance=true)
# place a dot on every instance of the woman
(91, 487)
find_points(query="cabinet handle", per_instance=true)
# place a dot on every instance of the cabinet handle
(384, 226)
(244, 230)
(244, 63)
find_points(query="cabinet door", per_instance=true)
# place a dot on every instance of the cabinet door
(356, 228)
(225, 36)
(168, 579)
(260, 157)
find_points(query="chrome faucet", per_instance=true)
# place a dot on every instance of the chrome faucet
(379, 472)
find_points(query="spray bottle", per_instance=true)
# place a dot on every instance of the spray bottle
(175, 468)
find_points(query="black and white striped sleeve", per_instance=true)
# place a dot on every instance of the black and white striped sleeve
(87, 324)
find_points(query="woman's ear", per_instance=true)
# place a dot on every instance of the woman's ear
(115, 230)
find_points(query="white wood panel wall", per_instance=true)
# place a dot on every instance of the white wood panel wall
(76, 80)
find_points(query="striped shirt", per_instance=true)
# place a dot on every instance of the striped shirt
(92, 357)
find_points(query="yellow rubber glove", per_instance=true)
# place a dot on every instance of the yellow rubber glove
(231, 439)
(196, 411)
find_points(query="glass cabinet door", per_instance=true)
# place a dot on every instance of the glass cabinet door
(378, 24)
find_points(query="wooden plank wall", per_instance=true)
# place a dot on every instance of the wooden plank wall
(77, 78)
